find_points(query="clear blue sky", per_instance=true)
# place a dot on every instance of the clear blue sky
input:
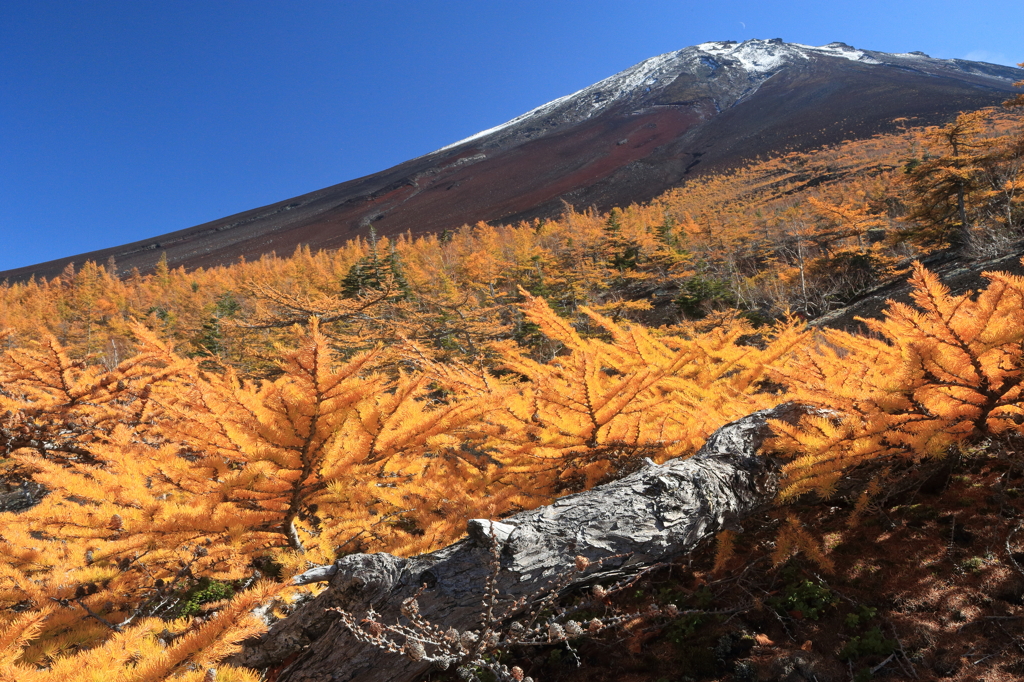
(124, 120)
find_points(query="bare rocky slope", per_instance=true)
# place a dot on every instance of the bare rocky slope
(625, 139)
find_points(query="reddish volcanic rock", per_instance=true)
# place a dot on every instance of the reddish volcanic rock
(625, 139)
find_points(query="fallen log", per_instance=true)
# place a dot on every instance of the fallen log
(651, 516)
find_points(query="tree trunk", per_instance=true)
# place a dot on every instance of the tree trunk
(650, 516)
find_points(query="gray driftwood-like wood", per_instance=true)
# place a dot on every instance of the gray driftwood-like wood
(21, 496)
(651, 516)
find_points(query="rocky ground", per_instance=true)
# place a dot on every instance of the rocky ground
(927, 585)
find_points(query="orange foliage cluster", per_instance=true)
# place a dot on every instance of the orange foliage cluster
(160, 474)
(948, 370)
(1017, 100)
(196, 432)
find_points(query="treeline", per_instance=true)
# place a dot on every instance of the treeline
(801, 233)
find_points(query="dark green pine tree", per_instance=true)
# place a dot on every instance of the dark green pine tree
(665, 231)
(373, 273)
(395, 271)
(623, 254)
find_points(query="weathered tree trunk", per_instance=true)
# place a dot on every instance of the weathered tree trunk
(653, 515)
(20, 496)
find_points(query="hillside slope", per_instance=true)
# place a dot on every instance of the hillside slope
(625, 139)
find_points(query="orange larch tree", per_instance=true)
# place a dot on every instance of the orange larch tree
(948, 370)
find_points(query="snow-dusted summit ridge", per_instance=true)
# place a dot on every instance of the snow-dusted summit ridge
(750, 63)
(597, 97)
(765, 56)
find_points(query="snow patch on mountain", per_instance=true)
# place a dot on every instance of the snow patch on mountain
(766, 56)
(531, 114)
(841, 50)
(755, 56)
(599, 96)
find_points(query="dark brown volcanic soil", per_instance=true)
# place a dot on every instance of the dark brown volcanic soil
(962, 275)
(629, 152)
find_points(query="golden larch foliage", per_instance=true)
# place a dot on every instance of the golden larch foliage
(931, 375)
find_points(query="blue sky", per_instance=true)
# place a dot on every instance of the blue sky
(123, 120)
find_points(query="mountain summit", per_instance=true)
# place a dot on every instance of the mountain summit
(625, 139)
(721, 73)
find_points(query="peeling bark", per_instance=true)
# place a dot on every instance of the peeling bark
(19, 496)
(650, 516)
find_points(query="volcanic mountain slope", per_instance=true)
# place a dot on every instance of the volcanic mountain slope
(625, 139)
